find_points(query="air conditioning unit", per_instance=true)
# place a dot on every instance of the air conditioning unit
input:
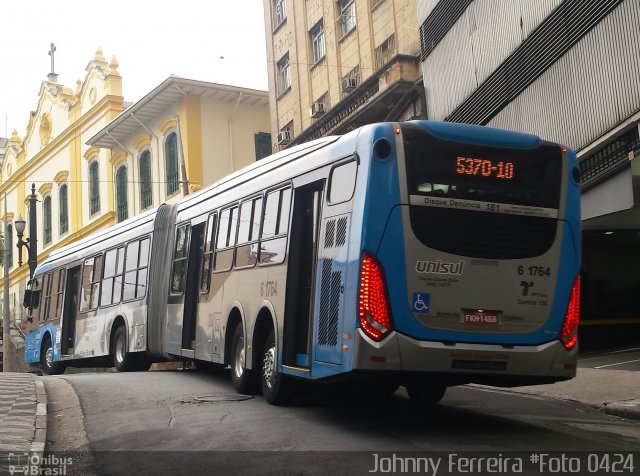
(349, 84)
(284, 137)
(316, 109)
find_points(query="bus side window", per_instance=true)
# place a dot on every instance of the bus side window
(226, 239)
(136, 264)
(343, 182)
(43, 310)
(180, 255)
(58, 295)
(275, 225)
(52, 295)
(248, 233)
(91, 275)
(207, 261)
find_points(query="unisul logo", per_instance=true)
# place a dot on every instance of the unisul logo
(440, 267)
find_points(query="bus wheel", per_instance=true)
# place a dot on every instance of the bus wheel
(47, 364)
(276, 388)
(242, 378)
(429, 393)
(122, 360)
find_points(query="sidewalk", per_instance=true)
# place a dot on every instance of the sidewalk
(616, 392)
(23, 420)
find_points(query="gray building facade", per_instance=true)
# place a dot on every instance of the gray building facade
(568, 71)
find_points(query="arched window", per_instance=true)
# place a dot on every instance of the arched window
(171, 158)
(146, 196)
(64, 209)
(121, 193)
(94, 188)
(46, 218)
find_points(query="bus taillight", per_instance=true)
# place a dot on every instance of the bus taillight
(569, 334)
(373, 306)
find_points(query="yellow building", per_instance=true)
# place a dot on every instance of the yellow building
(335, 65)
(96, 160)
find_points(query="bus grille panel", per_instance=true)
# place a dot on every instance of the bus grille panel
(329, 304)
(482, 234)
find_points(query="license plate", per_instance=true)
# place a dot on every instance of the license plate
(481, 316)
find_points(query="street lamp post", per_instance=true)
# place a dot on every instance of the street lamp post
(30, 243)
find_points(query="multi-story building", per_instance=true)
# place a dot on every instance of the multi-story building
(96, 160)
(335, 65)
(566, 70)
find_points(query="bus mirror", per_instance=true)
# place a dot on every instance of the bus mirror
(31, 299)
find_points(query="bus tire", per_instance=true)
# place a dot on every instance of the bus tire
(143, 362)
(428, 393)
(243, 379)
(123, 361)
(276, 388)
(47, 364)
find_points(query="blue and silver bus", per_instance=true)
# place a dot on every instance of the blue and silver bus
(419, 254)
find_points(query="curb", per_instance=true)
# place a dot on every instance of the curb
(625, 409)
(40, 436)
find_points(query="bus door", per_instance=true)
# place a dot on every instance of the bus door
(70, 311)
(300, 274)
(192, 289)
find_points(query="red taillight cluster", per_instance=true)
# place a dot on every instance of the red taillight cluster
(373, 307)
(569, 334)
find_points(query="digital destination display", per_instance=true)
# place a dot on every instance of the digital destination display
(485, 167)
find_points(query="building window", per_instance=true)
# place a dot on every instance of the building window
(317, 42)
(285, 136)
(385, 51)
(280, 12)
(146, 196)
(347, 16)
(263, 144)
(350, 81)
(46, 219)
(171, 158)
(94, 188)
(121, 193)
(64, 209)
(284, 75)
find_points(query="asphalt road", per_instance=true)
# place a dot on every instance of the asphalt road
(188, 422)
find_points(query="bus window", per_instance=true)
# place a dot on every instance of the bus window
(55, 294)
(226, 239)
(343, 182)
(112, 280)
(248, 233)
(275, 224)
(207, 261)
(91, 272)
(136, 263)
(46, 294)
(180, 259)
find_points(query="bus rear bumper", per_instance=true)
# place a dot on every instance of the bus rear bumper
(480, 363)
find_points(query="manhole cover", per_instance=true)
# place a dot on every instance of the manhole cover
(223, 397)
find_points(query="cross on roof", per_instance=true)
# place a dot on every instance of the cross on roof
(52, 50)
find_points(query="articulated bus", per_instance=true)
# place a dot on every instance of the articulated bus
(419, 254)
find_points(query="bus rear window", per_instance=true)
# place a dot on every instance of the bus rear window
(446, 170)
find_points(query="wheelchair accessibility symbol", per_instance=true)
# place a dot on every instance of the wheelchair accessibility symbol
(421, 303)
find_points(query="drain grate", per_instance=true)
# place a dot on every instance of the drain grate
(222, 397)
